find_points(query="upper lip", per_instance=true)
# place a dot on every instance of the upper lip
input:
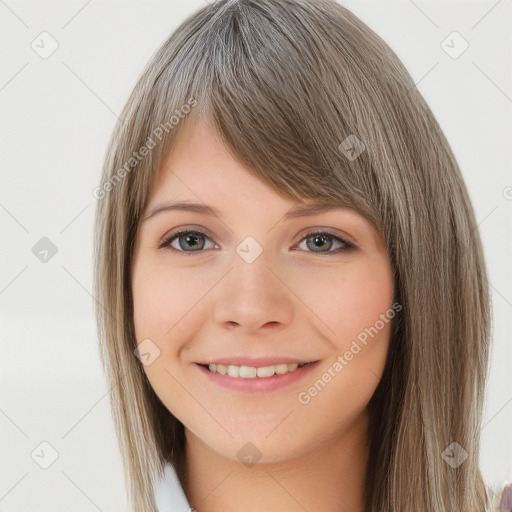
(256, 361)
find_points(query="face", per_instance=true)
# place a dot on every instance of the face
(252, 287)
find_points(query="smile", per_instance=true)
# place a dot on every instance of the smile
(255, 379)
(251, 372)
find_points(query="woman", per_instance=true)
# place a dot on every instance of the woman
(253, 369)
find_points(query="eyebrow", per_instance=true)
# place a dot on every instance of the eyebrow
(301, 210)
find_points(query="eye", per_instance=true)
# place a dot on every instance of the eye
(318, 241)
(185, 239)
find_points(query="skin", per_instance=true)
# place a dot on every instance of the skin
(303, 303)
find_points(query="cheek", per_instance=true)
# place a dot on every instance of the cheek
(157, 300)
(358, 310)
(167, 303)
(354, 300)
(162, 312)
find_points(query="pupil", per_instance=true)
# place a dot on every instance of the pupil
(318, 241)
(188, 239)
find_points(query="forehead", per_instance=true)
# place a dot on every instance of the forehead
(200, 167)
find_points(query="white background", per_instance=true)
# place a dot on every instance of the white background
(56, 117)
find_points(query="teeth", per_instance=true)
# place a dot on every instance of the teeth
(250, 372)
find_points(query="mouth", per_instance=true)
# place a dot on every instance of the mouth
(256, 379)
(251, 372)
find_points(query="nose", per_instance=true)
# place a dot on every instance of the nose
(253, 296)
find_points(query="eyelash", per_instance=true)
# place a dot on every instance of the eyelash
(166, 241)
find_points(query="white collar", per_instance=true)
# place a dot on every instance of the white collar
(169, 494)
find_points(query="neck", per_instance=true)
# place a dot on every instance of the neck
(329, 478)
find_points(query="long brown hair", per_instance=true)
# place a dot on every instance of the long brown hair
(286, 82)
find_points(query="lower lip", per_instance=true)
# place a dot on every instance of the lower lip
(258, 383)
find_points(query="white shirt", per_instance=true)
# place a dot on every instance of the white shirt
(169, 494)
